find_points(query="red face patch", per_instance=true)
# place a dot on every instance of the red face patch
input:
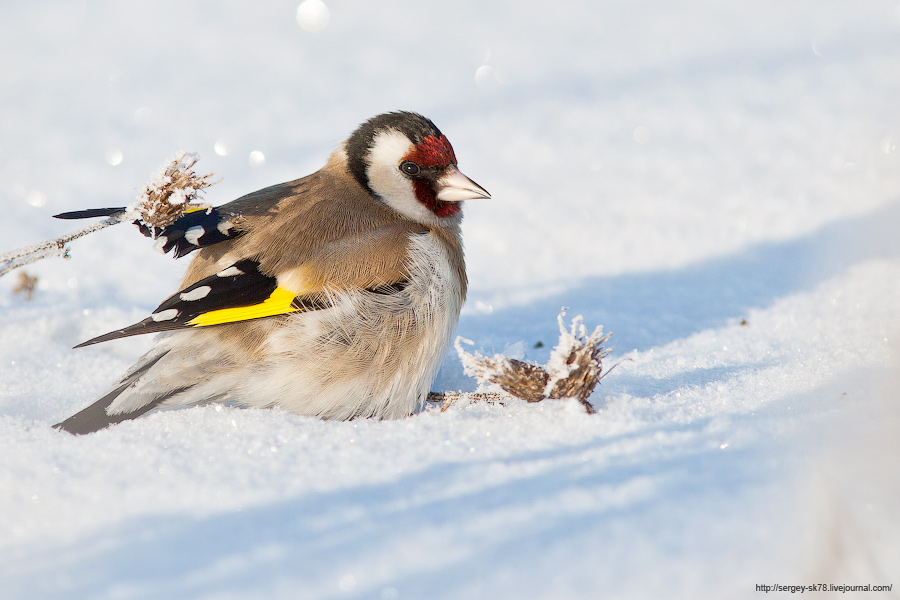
(425, 194)
(433, 151)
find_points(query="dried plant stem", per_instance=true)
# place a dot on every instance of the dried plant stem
(445, 399)
(56, 247)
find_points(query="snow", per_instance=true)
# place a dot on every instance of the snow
(714, 183)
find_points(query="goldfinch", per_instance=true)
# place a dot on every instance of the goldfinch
(334, 295)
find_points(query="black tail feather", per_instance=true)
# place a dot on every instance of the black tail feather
(90, 213)
(94, 417)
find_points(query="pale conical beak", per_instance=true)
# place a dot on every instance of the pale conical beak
(456, 187)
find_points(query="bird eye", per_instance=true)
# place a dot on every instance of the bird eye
(409, 167)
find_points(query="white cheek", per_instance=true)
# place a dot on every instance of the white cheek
(386, 180)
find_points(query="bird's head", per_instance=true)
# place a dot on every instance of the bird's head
(404, 160)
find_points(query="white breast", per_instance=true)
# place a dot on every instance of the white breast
(372, 355)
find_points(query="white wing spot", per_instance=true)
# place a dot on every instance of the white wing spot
(230, 272)
(166, 315)
(196, 294)
(224, 226)
(193, 234)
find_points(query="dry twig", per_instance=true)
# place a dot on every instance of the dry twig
(56, 247)
(445, 399)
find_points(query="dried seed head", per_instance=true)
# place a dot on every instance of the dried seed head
(173, 190)
(573, 371)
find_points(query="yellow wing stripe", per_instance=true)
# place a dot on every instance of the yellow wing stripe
(278, 303)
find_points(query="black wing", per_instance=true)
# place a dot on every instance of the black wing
(196, 228)
(239, 293)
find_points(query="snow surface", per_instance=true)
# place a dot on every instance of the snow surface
(716, 183)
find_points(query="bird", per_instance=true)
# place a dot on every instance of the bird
(334, 295)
